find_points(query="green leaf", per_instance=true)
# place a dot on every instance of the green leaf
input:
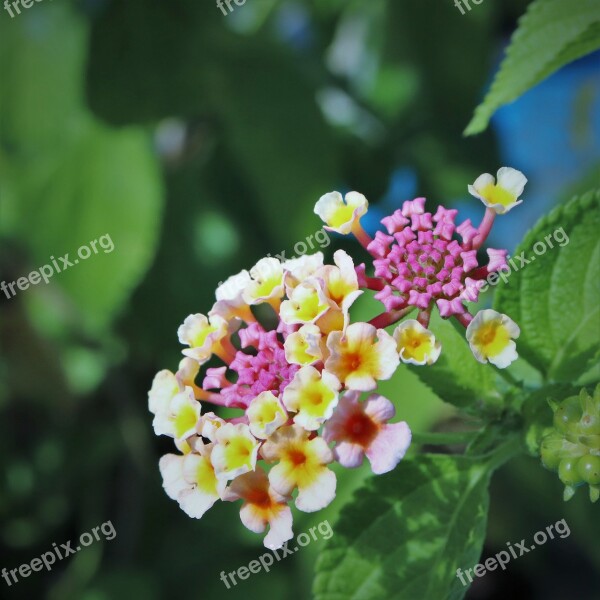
(106, 184)
(551, 34)
(67, 179)
(554, 298)
(457, 377)
(404, 535)
(42, 58)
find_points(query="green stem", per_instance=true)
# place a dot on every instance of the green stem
(442, 439)
(510, 378)
(504, 452)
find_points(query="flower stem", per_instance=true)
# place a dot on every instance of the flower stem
(361, 235)
(374, 283)
(484, 229)
(389, 318)
(509, 377)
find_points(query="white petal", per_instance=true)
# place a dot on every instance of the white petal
(506, 357)
(195, 503)
(480, 183)
(379, 408)
(349, 455)
(319, 494)
(280, 530)
(171, 469)
(512, 181)
(252, 519)
(389, 447)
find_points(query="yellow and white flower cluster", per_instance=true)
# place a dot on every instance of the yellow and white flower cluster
(297, 387)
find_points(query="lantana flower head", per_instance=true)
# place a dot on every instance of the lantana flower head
(284, 381)
(291, 371)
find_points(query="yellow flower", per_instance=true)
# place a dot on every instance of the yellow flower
(303, 347)
(340, 280)
(490, 335)
(181, 418)
(235, 451)
(301, 268)
(306, 304)
(313, 396)
(209, 424)
(202, 335)
(165, 386)
(191, 480)
(416, 344)
(302, 464)
(230, 302)
(340, 216)
(266, 284)
(500, 195)
(265, 414)
(341, 287)
(361, 355)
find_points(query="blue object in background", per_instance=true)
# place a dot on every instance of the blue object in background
(552, 134)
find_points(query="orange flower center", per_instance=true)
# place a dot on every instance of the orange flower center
(353, 361)
(259, 498)
(297, 457)
(360, 429)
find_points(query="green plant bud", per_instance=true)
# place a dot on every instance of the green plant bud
(590, 419)
(568, 415)
(551, 452)
(568, 493)
(588, 468)
(568, 473)
(592, 442)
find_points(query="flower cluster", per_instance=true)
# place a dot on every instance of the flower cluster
(295, 376)
(297, 386)
(420, 264)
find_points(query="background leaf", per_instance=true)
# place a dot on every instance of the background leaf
(406, 533)
(554, 298)
(70, 179)
(551, 34)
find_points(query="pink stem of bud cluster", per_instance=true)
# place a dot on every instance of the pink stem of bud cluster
(484, 229)
(425, 316)
(389, 318)
(361, 235)
(464, 319)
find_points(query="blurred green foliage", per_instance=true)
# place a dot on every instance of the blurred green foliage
(200, 142)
